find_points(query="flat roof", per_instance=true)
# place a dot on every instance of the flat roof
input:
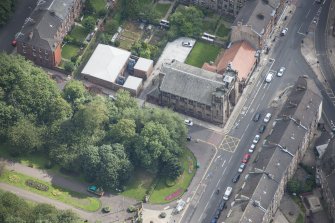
(106, 62)
(133, 83)
(143, 64)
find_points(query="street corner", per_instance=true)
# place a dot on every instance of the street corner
(229, 143)
(157, 216)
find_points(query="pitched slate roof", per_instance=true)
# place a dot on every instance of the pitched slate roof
(41, 27)
(190, 82)
(251, 13)
(301, 106)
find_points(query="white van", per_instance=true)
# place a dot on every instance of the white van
(227, 193)
(269, 77)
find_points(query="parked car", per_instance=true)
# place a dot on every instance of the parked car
(281, 71)
(252, 148)
(256, 139)
(261, 128)
(257, 117)
(269, 77)
(188, 122)
(214, 220)
(187, 44)
(241, 168)
(236, 178)
(227, 193)
(246, 158)
(222, 205)
(217, 214)
(284, 31)
(267, 117)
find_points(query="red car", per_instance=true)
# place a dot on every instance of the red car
(246, 158)
(14, 42)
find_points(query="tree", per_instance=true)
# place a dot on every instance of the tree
(129, 9)
(6, 9)
(24, 137)
(123, 131)
(124, 100)
(294, 186)
(74, 92)
(89, 23)
(171, 167)
(90, 161)
(69, 67)
(188, 20)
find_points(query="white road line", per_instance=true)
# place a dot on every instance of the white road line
(308, 13)
(230, 159)
(223, 163)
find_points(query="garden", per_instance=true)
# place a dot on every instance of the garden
(202, 52)
(49, 190)
(162, 190)
(130, 34)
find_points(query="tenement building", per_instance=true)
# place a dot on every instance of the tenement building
(293, 129)
(43, 31)
(197, 92)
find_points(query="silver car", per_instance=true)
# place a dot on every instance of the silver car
(281, 72)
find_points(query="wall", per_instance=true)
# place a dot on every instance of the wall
(243, 32)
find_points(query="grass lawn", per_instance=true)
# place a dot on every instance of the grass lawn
(79, 33)
(126, 44)
(145, 2)
(138, 185)
(162, 9)
(300, 219)
(69, 51)
(98, 5)
(202, 52)
(78, 200)
(162, 190)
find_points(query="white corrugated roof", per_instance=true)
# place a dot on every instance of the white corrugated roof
(132, 83)
(143, 64)
(106, 62)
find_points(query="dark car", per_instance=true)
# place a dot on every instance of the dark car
(214, 220)
(257, 117)
(217, 214)
(189, 138)
(222, 205)
(236, 178)
(261, 128)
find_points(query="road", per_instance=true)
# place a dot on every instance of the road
(286, 52)
(7, 32)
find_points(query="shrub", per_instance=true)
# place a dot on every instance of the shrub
(69, 67)
(37, 185)
(131, 209)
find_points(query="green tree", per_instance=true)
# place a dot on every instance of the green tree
(90, 161)
(24, 137)
(124, 100)
(294, 186)
(6, 9)
(74, 92)
(188, 21)
(69, 66)
(123, 131)
(129, 9)
(89, 23)
(171, 167)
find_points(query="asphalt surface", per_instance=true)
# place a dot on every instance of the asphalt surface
(286, 52)
(7, 32)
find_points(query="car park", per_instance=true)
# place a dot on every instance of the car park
(261, 128)
(236, 178)
(257, 117)
(269, 77)
(256, 139)
(284, 31)
(252, 148)
(246, 158)
(187, 44)
(267, 117)
(188, 122)
(281, 71)
(241, 168)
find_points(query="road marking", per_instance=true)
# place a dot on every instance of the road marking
(223, 163)
(308, 13)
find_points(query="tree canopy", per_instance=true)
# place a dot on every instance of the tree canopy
(104, 138)
(6, 9)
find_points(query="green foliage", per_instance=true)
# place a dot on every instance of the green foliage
(105, 38)
(130, 9)
(24, 137)
(89, 23)
(37, 185)
(15, 210)
(188, 21)
(69, 67)
(6, 9)
(143, 49)
(75, 93)
(294, 186)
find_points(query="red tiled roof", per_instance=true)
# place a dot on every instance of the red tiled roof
(207, 66)
(241, 55)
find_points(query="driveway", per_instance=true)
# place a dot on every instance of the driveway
(13, 26)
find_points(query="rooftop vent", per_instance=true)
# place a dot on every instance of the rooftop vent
(260, 16)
